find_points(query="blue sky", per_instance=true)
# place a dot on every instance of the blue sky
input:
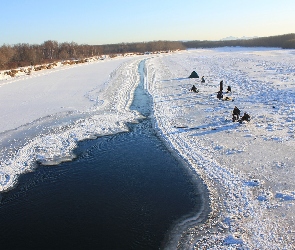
(117, 21)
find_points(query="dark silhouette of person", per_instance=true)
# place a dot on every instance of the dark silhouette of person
(219, 95)
(203, 80)
(236, 114)
(245, 117)
(221, 86)
(194, 89)
(228, 89)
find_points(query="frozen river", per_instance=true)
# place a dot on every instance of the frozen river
(248, 168)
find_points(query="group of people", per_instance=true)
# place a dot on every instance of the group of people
(194, 89)
(236, 112)
(220, 92)
(236, 115)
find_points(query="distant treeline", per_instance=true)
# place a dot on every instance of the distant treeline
(21, 55)
(283, 41)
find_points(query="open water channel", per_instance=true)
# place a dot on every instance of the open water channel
(123, 191)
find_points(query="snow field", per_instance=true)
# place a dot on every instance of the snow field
(249, 167)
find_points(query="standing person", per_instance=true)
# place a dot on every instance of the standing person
(228, 89)
(203, 80)
(221, 86)
(236, 114)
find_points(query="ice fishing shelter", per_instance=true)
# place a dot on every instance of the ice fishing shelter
(194, 75)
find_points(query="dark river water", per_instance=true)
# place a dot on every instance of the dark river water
(124, 191)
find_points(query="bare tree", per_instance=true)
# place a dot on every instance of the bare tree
(6, 55)
(50, 49)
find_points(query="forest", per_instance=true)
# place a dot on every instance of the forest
(23, 54)
(283, 41)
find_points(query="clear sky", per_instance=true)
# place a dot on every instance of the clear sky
(117, 21)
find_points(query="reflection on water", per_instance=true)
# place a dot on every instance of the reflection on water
(122, 192)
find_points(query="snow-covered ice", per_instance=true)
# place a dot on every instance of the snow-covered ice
(248, 168)
(43, 115)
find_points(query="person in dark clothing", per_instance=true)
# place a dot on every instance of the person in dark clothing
(245, 117)
(219, 95)
(236, 114)
(194, 89)
(221, 86)
(203, 80)
(228, 89)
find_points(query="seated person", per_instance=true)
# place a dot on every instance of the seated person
(236, 114)
(245, 117)
(219, 95)
(194, 89)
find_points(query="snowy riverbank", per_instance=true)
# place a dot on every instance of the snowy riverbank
(248, 168)
(44, 115)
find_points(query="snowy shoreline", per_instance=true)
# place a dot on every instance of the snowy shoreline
(102, 105)
(248, 168)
